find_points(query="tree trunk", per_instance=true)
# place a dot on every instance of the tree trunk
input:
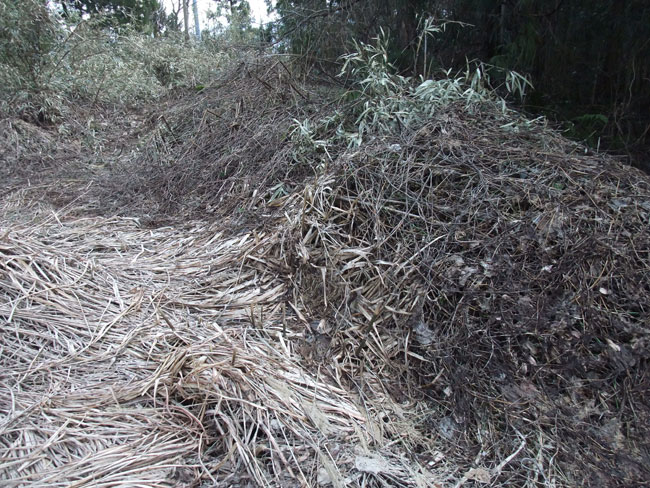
(197, 27)
(186, 20)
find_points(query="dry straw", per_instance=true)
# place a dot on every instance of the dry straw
(135, 357)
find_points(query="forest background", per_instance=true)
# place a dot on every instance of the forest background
(587, 61)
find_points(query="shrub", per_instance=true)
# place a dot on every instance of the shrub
(46, 63)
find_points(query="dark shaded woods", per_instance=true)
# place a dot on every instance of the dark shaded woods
(587, 59)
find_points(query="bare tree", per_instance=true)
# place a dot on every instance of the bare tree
(186, 20)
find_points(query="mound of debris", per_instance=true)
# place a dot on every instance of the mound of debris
(465, 259)
(501, 273)
(219, 152)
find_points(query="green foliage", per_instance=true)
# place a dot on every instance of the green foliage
(29, 55)
(239, 23)
(46, 64)
(27, 38)
(132, 67)
(587, 127)
(384, 102)
(582, 56)
(139, 14)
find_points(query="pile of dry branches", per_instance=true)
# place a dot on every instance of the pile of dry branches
(220, 152)
(462, 300)
(503, 275)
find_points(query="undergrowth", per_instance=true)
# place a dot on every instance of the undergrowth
(381, 101)
(48, 64)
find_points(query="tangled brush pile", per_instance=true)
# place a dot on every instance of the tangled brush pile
(476, 267)
(484, 263)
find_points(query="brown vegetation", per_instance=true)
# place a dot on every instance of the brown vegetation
(460, 300)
